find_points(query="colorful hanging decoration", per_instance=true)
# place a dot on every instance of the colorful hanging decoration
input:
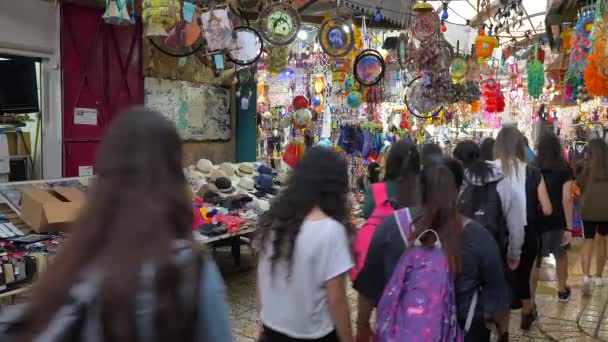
(300, 102)
(117, 12)
(336, 37)
(485, 45)
(318, 82)
(279, 23)
(369, 67)
(581, 45)
(402, 50)
(278, 59)
(426, 25)
(354, 99)
(596, 73)
(302, 118)
(156, 14)
(536, 77)
(458, 69)
(493, 98)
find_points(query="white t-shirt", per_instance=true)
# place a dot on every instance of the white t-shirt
(297, 306)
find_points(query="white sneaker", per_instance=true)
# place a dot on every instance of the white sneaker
(598, 281)
(587, 288)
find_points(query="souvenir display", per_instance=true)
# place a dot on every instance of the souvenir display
(485, 45)
(278, 58)
(458, 69)
(369, 67)
(247, 47)
(279, 24)
(336, 37)
(158, 14)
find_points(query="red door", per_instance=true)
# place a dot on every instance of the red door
(101, 75)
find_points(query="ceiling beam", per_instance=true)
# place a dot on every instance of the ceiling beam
(528, 17)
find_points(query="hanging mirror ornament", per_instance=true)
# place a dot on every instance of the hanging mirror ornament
(336, 37)
(247, 47)
(117, 12)
(279, 24)
(402, 50)
(426, 25)
(369, 67)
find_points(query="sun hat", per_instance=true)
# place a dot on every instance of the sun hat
(246, 170)
(264, 205)
(282, 178)
(229, 170)
(224, 186)
(215, 174)
(246, 184)
(205, 166)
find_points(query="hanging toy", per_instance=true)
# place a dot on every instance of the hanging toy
(354, 99)
(493, 97)
(536, 77)
(300, 102)
(302, 118)
(485, 45)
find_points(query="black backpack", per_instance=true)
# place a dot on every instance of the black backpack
(482, 203)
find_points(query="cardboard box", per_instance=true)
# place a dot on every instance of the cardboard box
(16, 146)
(49, 210)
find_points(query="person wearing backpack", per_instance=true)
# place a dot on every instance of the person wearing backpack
(466, 282)
(593, 183)
(384, 195)
(408, 196)
(129, 270)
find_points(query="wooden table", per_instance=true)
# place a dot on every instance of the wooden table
(235, 241)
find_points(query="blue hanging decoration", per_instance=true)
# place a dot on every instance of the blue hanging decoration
(444, 14)
(378, 16)
(117, 12)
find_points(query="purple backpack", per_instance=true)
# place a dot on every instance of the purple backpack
(418, 303)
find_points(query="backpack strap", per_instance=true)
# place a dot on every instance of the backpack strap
(380, 194)
(473, 306)
(404, 221)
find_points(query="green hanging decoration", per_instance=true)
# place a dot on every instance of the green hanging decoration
(536, 76)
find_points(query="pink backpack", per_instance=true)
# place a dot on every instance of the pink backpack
(418, 303)
(365, 234)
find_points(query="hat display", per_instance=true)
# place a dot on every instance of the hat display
(246, 170)
(264, 182)
(246, 184)
(205, 166)
(224, 185)
(282, 178)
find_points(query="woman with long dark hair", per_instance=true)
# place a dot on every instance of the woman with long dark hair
(129, 270)
(487, 148)
(594, 186)
(471, 251)
(397, 156)
(556, 229)
(407, 180)
(304, 254)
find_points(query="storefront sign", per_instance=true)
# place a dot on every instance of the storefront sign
(85, 116)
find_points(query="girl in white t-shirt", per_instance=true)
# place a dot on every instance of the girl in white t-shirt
(305, 254)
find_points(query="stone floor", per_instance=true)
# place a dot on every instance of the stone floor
(582, 319)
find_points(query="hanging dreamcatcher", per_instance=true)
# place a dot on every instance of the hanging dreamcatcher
(279, 23)
(336, 37)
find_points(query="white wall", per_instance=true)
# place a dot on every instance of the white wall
(31, 28)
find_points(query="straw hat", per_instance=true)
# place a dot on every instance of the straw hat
(229, 170)
(205, 166)
(246, 170)
(215, 174)
(246, 184)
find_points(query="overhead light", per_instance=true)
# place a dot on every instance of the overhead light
(346, 28)
(4, 59)
(303, 35)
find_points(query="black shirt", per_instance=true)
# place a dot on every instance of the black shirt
(555, 180)
(482, 268)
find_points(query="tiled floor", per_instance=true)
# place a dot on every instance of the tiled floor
(579, 320)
